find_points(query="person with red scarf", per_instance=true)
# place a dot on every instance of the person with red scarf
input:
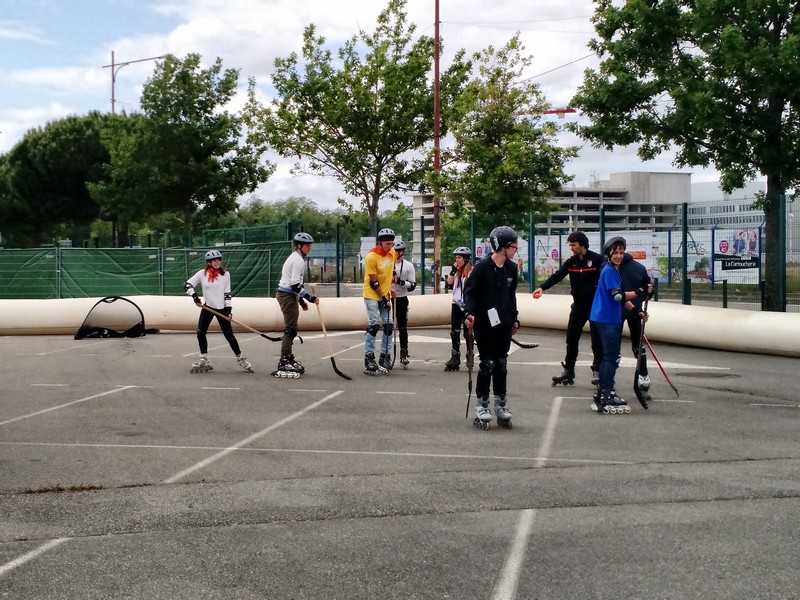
(378, 273)
(216, 285)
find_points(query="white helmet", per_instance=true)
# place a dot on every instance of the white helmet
(386, 235)
(303, 238)
(212, 254)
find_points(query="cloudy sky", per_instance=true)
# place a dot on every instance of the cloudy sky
(53, 57)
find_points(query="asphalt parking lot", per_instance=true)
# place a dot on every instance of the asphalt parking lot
(122, 475)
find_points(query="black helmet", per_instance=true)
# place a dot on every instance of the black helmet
(610, 244)
(400, 245)
(463, 251)
(385, 235)
(502, 237)
(302, 238)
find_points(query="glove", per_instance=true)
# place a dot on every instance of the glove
(303, 304)
(227, 311)
(383, 302)
(453, 272)
(312, 299)
(196, 298)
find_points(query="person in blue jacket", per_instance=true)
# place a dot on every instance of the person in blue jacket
(606, 314)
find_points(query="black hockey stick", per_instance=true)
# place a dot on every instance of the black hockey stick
(469, 339)
(330, 349)
(663, 372)
(264, 335)
(394, 329)
(524, 345)
(640, 396)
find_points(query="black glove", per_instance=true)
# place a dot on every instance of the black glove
(453, 272)
(303, 304)
(312, 299)
(196, 298)
(227, 311)
(383, 302)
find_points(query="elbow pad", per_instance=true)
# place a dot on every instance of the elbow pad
(374, 284)
(617, 294)
(297, 288)
(412, 286)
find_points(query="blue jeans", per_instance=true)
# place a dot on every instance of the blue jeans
(610, 340)
(377, 316)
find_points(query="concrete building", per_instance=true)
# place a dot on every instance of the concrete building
(631, 200)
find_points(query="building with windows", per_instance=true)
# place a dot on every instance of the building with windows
(630, 200)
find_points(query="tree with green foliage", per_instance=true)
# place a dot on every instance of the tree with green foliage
(506, 161)
(199, 157)
(362, 115)
(715, 81)
(45, 180)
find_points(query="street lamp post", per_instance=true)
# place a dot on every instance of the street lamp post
(115, 67)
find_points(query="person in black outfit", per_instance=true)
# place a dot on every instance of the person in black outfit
(635, 277)
(583, 268)
(490, 311)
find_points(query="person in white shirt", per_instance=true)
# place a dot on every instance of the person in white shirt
(457, 279)
(405, 281)
(216, 285)
(292, 296)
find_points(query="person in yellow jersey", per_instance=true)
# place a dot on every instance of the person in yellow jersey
(378, 272)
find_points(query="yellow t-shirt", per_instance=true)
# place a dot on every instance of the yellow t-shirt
(382, 265)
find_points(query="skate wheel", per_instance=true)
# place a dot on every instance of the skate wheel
(627, 410)
(505, 424)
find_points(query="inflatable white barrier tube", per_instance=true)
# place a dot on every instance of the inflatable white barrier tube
(705, 327)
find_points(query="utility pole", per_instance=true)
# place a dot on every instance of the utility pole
(115, 67)
(437, 165)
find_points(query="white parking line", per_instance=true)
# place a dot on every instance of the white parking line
(47, 410)
(17, 562)
(222, 453)
(506, 586)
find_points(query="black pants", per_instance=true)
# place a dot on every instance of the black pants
(456, 324)
(578, 316)
(401, 306)
(202, 328)
(634, 322)
(493, 344)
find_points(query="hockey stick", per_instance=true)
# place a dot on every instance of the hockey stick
(394, 328)
(327, 341)
(264, 335)
(469, 339)
(524, 345)
(636, 389)
(663, 372)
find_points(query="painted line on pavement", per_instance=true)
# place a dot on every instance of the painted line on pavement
(251, 438)
(47, 410)
(18, 562)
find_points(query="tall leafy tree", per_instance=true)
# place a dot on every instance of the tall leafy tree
(506, 161)
(360, 116)
(199, 155)
(45, 177)
(714, 80)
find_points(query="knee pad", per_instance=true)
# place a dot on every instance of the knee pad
(637, 353)
(388, 328)
(502, 365)
(373, 329)
(486, 367)
(291, 332)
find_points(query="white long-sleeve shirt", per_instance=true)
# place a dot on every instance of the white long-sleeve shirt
(292, 275)
(217, 293)
(405, 271)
